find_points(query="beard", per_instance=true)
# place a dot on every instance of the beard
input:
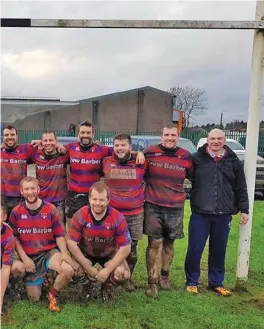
(31, 200)
(99, 210)
(86, 141)
(124, 159)
(10, 144)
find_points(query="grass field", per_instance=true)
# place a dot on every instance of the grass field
(174, 309)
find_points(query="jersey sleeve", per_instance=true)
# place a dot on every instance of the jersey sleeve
(57, 223)
(8, 248)
(189, 170)
(12, 222)
(30, 153)
(123, 237)
(76, 230)
(110, 151)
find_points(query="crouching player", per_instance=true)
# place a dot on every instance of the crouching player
(99, 234)
(9, 265)
(40, 243)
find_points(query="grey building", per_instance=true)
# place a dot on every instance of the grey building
(136, 110)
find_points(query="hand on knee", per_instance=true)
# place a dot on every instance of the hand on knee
(18, 271)
(121, 275)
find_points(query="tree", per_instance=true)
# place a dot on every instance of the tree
(193, 101)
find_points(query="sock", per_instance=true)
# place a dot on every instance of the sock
(54, 291)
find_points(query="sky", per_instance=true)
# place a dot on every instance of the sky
(73, 64)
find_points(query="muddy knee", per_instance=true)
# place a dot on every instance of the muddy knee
(168, 246)
(67, 271)
(34, 293)
(155, 244)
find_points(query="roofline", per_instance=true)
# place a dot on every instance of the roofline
(119, 93)
(29, 101)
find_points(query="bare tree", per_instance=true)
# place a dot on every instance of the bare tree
(193, 101)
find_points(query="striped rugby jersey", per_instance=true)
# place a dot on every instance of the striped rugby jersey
(125, 182)
(85, 166)
(14, 168)
(52, 175)
(7, 245)
(99, 238)
(165, 175)
(37, 232)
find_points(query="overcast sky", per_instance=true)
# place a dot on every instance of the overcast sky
(72, 64)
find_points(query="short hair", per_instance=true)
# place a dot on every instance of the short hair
(169, 125)
(99, 187)
(48, 131)
(123, 136)
(85, 124)
(9, 127)
(3, 206)
(29, 179)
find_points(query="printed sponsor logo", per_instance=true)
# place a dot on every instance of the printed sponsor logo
(85, 161)
(15, 161)
(166, 166)
(34, 230)
(128, 173)
(56, 166)
(97, 239)
(24, 216)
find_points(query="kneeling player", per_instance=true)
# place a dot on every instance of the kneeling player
(99, 234)
(40, 243)
(9, 265)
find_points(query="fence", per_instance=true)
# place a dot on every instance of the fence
(106, 138)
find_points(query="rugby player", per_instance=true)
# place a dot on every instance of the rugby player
(99, 234)
(40, 243)
(168, 166)
(124, 177)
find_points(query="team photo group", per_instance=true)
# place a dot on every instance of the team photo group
(78, 220)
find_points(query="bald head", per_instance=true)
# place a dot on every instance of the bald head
(216, 133)
(216, 140)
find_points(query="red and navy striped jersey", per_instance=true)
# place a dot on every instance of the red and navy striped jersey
(165, 175)
(37, 232)
(52, 176)
(85, 166)
(99, 238)
(125, 182)
(7, 245)
(14, 168)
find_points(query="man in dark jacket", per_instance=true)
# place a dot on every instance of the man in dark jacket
(218, 190)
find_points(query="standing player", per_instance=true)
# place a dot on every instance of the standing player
(99, 234)
(169, 165)
(40, 243)
(85, 163)
(51, 171)
(14, 161)
(85, 159)
(124, 178)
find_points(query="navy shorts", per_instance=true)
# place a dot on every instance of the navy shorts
(74, 202)
(42, 265)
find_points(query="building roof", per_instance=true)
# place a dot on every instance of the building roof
(120, 93)
(17, 107)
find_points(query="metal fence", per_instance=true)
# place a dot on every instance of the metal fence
(106, 138)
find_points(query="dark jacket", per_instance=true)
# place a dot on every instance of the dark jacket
(218, 188)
